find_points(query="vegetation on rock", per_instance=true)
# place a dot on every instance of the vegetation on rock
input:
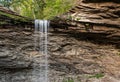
(39, 9)
(116, 1)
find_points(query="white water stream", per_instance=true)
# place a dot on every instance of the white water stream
(40, 73)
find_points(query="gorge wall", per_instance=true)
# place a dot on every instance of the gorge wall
(99, 12)
(80, 54)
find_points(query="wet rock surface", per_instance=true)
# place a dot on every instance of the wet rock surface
(78, 55)
(11, 49)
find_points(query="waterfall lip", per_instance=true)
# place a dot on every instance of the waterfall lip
(38, 23)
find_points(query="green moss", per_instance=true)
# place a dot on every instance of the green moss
(13, 16)
(68, 80)
(100, 75)
(1, 23)
(78, 19)
(119, 53)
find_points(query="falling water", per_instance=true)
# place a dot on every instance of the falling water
(40, 73)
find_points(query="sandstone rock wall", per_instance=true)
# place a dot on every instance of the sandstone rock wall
(102, 12)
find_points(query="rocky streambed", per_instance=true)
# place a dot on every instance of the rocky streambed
(85, 57)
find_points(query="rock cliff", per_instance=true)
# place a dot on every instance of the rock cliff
(10, 56)
(82, 55)
(97, 12)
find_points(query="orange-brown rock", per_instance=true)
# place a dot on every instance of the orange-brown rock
(102, 13)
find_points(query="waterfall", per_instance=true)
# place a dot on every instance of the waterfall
(40, 73)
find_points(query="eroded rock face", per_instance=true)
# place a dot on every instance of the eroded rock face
(106, 13)
(76, 55)
(11, 50)
(9, 59)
